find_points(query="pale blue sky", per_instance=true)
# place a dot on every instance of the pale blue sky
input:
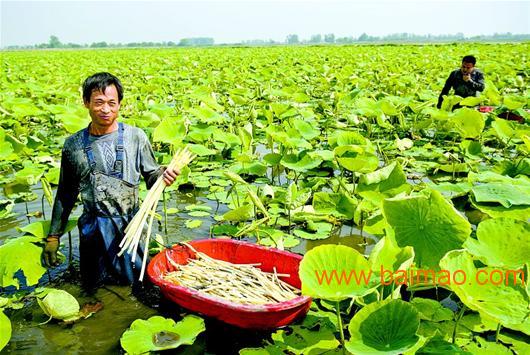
(32, 22)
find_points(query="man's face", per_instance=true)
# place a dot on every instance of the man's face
(467, 68)
(104, 107)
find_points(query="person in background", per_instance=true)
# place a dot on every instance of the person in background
(466, 81)
(104, 163)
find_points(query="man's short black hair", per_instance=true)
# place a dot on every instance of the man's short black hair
(469, 59)
(100, 82)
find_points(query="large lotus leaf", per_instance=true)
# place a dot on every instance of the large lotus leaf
(242, 213)
(387, 178)
(20, 254)
(471, 101)
(73, 122)
(30, 175)
(339, 138)
(501, 242)
(431, 310)
(468, 122)
(356, 158)
(438, 345)
(428, 223)
(295, 198)
(507, 302)
(305, 341)
(201, 150)
(159, 333)
(336, 272)
(170, 130)
(482, 346)
(386, 327)
(5, 330)
(59, 304)
(336, 204)
(300, 164)
(306, 130)
(519, 344)
(450, 190)
(514, 102)
(387, 256)
(520, 213)
(506, 195)
(316, 230)
(40, 229)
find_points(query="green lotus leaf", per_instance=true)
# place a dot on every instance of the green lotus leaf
(58, 304)
(295, 197)
(193, 223)
(390, 177)
(431, 310)
(317, 230)
(253, 168)
(386, 255)
(40, 229)
(519, 344)
(450, 190)
(159, 333)
(5, 330)
(336, 272)
(171, 130)
(235, 178)
(471, 148)
(428, 223)
(501, 242)
(272, 158)
(471, 101)
(336, 204)
(30, 175)
(300, 164)
(339, 138)
(207, 115)
(386, 327)
(520, 213)
(201, 150)
(305, 341)
(476, 324)
(242, 213)
(306, 130)
(438, 345)
(11, 261)
(356, 158)
(468, 122)
(482, 346)
(73, 122)
(506, 195)
(514, 102)
(506, 303)
(228, 138)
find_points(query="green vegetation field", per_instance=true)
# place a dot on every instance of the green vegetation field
(304, 148)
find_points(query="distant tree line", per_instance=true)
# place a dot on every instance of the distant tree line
(329, 38)
(406, 38)
(55, 43)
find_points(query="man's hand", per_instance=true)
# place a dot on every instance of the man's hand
(50, 251)
(170, 176)
(467, 77)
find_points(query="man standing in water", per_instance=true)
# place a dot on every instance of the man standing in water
(466, 81)
(103, 163)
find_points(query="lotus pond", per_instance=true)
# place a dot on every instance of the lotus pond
(337, 153)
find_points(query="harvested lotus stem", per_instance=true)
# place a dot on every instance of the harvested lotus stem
(133, 232)
(238, 283)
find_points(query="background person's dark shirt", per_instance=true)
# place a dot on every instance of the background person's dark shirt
(461, 87)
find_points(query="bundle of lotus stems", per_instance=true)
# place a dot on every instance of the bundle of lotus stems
(238, 283)
(133, 232)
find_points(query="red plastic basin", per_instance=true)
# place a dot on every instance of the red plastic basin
(244, 316)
